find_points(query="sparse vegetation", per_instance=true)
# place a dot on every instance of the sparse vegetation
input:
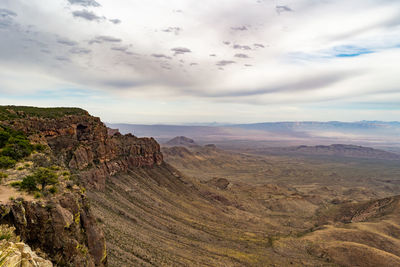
(14, 146)
(53, 190)
(43, 177)
(6, 162)
(8, 233)
(3, 176)
(14, 112)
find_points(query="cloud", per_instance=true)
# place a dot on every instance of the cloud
(66, 42)
(312, 82)
(85, 3)
(122, 83)
(43, 46)
(213, 55)
(104, 39)
(119, 48)
(242, 28)
(241, 56)
(175, 30)
(6, 13)
(281, 9)
(115, 21)
(65, 59)
(180, 50)
(160, 56)
(225, 62)
(241, 47)
(87, 15)
(6, 18)
(80, 51)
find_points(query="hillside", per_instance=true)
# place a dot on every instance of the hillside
(181, 141)
(337, 150)
(213, 208)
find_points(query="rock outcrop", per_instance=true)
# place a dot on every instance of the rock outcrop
(82, 143)
(63, 227)
(21, 255)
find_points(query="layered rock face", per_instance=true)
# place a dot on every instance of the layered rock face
(21, 255)
(83, 144)
(64, 226)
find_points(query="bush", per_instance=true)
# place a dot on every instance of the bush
(44, 177)
(15, 144)
(37, 195)
(17, 148)
(39, 147)
(53, 190)
(29, 184)
(16, 184)
(6, 162)
(20, 168)
(4, 136)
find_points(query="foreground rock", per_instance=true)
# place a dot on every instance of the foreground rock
(21, 255)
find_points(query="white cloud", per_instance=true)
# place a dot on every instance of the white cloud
(310, 53)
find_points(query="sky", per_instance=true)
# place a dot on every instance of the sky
(186, 61)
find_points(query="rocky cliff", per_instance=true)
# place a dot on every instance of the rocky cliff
(82, 143)
(62, 225)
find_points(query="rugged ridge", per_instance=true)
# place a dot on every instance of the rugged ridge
(81, 142)
(64, 226)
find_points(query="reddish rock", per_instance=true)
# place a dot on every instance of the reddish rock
(83, 144)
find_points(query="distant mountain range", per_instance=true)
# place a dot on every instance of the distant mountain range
(314, 125)
(377, 134)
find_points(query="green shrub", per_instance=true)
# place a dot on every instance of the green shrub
(45, 176)
(17, 148)
(53, 190)
(39, 147)
(6, 162)
(13, 112)
(29, 183)
(16, 184)
(20, 168)
(14, 144)
(27, 165)
(55, 168)
(37, 195)
(4, 136)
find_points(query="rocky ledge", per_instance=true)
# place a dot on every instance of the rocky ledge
(83, 144)
(62, 224)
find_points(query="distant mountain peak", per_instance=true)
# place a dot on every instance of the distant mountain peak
(181, 140)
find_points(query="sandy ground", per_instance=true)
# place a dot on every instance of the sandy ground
(6, 192)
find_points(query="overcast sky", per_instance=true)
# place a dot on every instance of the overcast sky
(186, 61)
